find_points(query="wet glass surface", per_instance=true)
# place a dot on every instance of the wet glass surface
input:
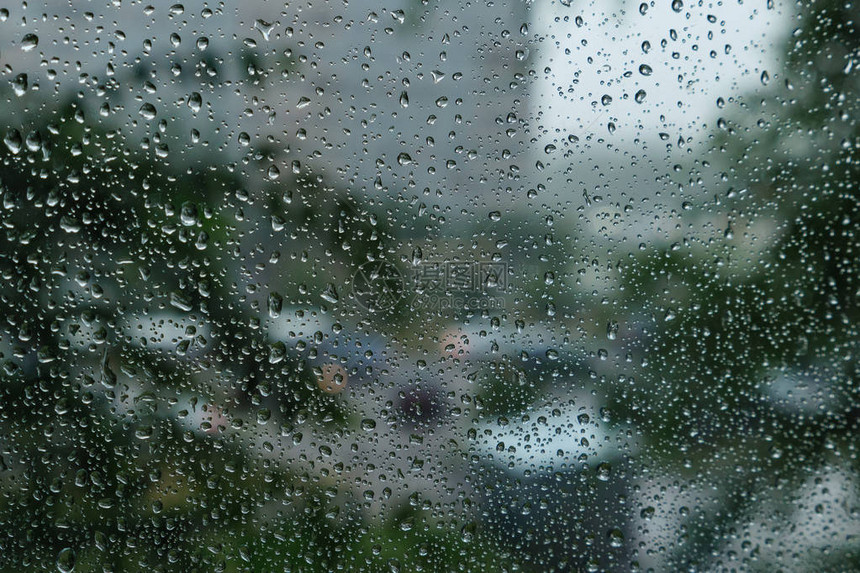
(429, 286)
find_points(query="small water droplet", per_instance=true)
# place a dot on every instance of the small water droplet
(640, 96)
(677, 5)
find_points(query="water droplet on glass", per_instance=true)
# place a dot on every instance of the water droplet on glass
(677, 5)
(195, 101)
(29, 42)
(145, 432)
(604, 471)
(13, 140)
(330, 293)
(20, 84)
(66, 560)
(612, 330)
(640, 96)
(147, 111)
(265, 28)
(616, 537)
(606, 99)
(188, 214)
(277, 352)
(645, 70)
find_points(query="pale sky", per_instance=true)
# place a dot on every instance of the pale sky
(614, 32)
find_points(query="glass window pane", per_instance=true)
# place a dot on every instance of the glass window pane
(429, 286)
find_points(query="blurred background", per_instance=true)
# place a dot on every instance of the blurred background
(429, 286)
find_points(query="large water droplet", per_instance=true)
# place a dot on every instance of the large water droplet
(265, 28)
(195, 101)
(66, 560)
(604, 471)
(275, 303)
(612, 330)
(29, 42)
(148, 112)
(20, 84)
(13, 140)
